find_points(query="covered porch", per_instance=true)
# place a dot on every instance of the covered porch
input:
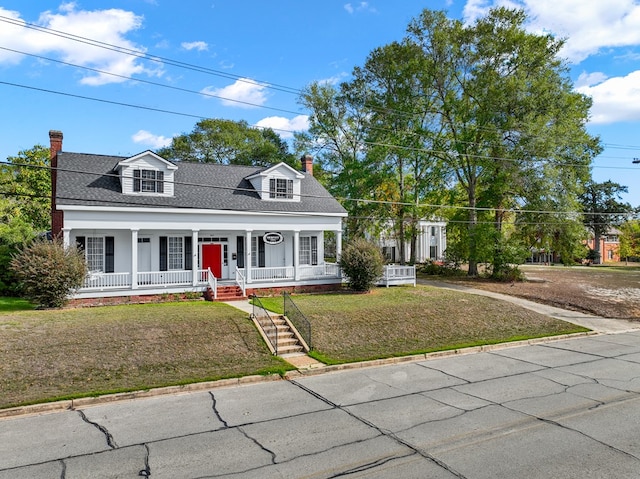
(151, 262)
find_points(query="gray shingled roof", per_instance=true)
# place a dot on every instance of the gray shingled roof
(90, 180)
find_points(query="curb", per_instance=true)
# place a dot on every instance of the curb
(73, 404)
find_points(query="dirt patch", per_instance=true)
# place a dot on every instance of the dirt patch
(610, 292)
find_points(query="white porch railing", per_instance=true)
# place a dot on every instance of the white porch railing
(272, 274)
(319, 271)
(241, 281)
(146, 279)
(164, 278)
(100, 280)
(155, 279)
(394, 275)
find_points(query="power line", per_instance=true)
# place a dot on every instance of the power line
(344, 199)
(148, 82)
(142, 55)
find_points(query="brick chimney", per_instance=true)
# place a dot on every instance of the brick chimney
(57, 219)
(307, 164)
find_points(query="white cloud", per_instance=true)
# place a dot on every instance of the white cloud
(285, 126)
(200, 46)
(108, 26)
(589, 26)
(244, 93)
(146, 138)
(359, 7)
(590, 79)
(615, 99)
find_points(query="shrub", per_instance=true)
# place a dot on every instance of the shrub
(362, 262)
(48, 272)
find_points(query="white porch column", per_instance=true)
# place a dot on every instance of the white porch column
(441, 245)
(134, 258)
(247, 256)
(296, 254)
(65, 236)
(194, 256)
(338, 245)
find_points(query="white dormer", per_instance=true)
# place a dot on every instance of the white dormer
(146, 174)
(278, 183)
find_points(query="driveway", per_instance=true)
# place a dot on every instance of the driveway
(568, 408)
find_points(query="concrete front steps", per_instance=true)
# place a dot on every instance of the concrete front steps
(278, 329)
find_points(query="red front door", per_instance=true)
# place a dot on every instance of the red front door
(212, 258)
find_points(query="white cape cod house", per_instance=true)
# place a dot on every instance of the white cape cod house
(150, 226)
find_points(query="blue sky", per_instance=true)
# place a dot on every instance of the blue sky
(246, 59)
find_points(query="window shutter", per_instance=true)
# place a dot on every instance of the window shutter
(240, 251)
(261, 261)
(289, 188)
(136, 180)
(163, 253)
(109, 254)
(160, 184)
(272, 187)
(314, 250)
(188, 252)
(81, 242)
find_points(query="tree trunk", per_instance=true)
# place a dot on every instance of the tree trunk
(473, 223)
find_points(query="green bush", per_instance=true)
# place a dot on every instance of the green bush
(48, 272)
(362, 262)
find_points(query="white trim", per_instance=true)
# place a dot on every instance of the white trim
(269, 170)
(148, 210)
(133, 159)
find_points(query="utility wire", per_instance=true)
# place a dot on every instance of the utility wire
(142, 55)
(148, 82)
(159, 59)
(345, 199)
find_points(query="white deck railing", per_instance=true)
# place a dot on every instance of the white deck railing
(394, 275)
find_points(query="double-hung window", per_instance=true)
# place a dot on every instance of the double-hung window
(175, 253)
(94, 253)
(148, 181)
(280, 188)
(308, 250)
(99, 252)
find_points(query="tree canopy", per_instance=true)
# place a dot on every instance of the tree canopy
(229, 142)
(602, 209)
(481, 116)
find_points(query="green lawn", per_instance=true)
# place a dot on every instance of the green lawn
(55, 354)
(14, 304)
(401, 321)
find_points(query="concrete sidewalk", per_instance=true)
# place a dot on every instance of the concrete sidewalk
(595, 323)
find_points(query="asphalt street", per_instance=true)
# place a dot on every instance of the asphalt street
(566, 408)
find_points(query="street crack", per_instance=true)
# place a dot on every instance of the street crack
(215, 410)
(110, 442)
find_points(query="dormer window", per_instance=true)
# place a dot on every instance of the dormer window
(148, 181)
(280, 188)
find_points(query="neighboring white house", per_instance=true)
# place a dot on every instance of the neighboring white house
(430, 245)
(150, 226)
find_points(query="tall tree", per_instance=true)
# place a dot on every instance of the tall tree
(602, 210)
(337, 136)
(507, 107)
(630, 240)
(229, 142)
(26, 181)
(400, 134)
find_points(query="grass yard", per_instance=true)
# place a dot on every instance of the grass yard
(68, 353)
(400, 321)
